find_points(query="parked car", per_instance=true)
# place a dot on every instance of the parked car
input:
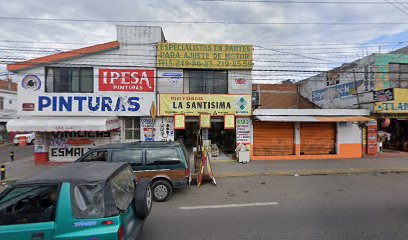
(28, 136)
(76, 201)
(166, 164)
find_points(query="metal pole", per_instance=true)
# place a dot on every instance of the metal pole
(355, 86)
(3, 172)
(12, 156)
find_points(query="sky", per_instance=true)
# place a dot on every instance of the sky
(304, 46)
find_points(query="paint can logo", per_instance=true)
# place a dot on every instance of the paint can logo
(31, 82)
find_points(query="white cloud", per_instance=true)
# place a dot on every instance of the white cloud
(272, 36)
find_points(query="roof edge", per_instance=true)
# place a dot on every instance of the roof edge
(15, 67)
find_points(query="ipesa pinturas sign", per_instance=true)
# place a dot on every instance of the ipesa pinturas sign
(126, 80)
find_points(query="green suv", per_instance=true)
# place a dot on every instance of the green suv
(89, 201)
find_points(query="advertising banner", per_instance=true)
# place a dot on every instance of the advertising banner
(161, 130)
(179, 121)
(229, 121)
(398, 105)
(205, 120)
(208, 56)
(383, 95)
(68, 146)
(243, 130)
(372, 138)
(110, 97)
(214, 104)
(126, 80)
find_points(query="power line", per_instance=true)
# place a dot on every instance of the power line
(299, 2)
(397, 7)
(200, 22)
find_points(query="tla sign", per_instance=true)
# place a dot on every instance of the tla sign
(126, 80)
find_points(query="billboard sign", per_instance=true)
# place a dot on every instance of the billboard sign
(204, 56)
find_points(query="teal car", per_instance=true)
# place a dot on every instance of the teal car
(81, 201)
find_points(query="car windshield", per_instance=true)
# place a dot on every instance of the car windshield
(29, 204)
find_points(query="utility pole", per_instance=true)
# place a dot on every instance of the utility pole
(355, 87)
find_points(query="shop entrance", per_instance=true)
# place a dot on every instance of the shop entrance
(224, 140)
(394, 134)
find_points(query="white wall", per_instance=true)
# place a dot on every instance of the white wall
(10, 99)
(350, 133)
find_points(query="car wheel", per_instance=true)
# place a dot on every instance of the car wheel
(161, 190)
(143, 199)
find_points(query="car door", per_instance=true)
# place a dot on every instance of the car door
(28, 212)
(164, 162)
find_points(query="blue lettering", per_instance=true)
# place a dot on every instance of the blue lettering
(97, 104)
(120, 105)
(106, 102)
(54, 104)
(43, 102)
(134, 105)
(65, 103)
(80, 103)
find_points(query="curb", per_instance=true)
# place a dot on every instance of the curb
(311, 172)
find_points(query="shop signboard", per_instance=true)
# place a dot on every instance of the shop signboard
(398, 105)
(205, 120)
(110, 97)
(372, 138)
(204, 56)
(243, 130)
(383, 95)
(229, 121)
(179, 121)
(196, 104)
(126, 80)
(68, 146)
(161, 129)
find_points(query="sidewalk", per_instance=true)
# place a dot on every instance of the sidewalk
(22, 168)
(25, 167)
(310, 167)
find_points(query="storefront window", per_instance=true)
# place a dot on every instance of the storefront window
(70, 80)
(215, 82)
(131, 129)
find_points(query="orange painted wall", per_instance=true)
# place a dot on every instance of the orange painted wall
(345, 151)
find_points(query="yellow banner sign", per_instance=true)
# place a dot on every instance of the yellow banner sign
(205, 120)
(213, 104)
(208, 56)
(398, 105)
(229, 121)
(179, 121)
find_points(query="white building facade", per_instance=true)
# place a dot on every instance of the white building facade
(88, 97)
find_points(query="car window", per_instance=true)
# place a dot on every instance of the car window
(96, 156)
(162, 156)
(123, 188)
(31, 204)
(133, 156)
(88, 200)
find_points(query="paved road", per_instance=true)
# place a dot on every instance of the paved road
(19, 153)
(369, 206)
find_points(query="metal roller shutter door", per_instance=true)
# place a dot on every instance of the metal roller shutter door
(317, 138)
(274, 139)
